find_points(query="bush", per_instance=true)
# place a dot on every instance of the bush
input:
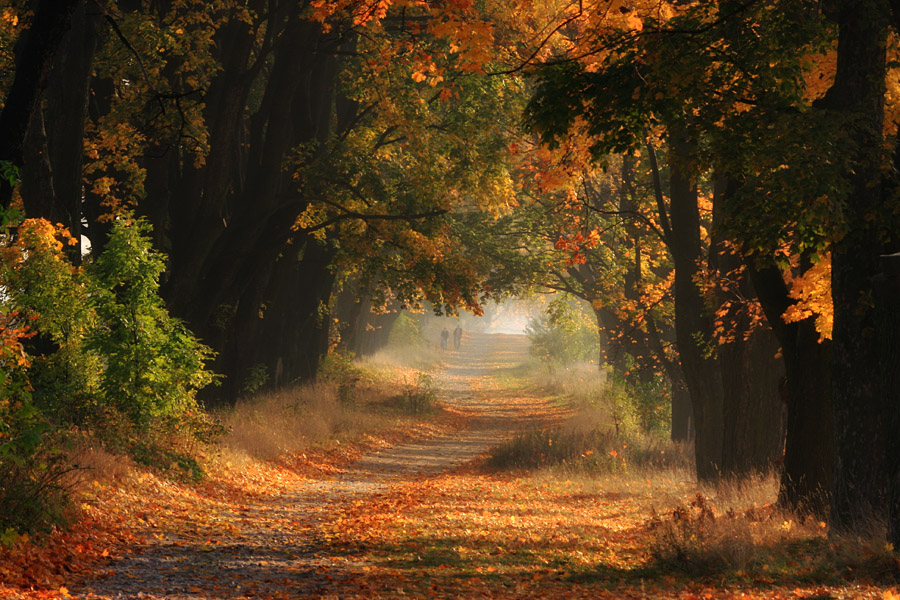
(44, 286)
(153, 366)
(406, 331)
(32, 497)
(104, 337)
(338, 368)
(87, 347)
(31, 465)
(561, 335)
(420, 398)
(606, 433)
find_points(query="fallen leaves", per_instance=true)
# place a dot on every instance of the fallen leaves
(306, 527)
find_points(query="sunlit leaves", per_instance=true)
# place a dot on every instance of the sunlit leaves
(812, 292)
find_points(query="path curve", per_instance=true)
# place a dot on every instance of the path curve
(282, 560)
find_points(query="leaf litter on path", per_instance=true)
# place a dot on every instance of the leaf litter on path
(416, 519)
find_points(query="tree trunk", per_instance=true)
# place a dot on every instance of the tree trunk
(52, 188)
(753, 411)
(887, 298)
(35, 53)
(682, 414)
(857, 96)
(377, 333)
(806, 480)
(231, 219)
(693, 326)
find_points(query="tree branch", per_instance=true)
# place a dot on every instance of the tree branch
(349, 214)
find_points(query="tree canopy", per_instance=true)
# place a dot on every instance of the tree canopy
(717, 179)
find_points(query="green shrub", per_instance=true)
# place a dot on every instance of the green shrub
(256, 378)
(90, 347)
(153, 366)
(45, 287)
(31, 463)
(32, 497)
(406, 331)
(420, 398)
(561, 336)
(338, 368)
(103, 335)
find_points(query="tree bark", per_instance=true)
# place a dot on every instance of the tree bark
(857, 96)
(52, 188)
(34, 59)
(231, 219)
(887, 298)
(693, 325)
(682, 414)
(806, 480)
(751, 372)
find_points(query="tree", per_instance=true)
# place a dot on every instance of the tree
(34, 57)
(672, 71)
(268, 177)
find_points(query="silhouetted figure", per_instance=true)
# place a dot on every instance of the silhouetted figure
(445, 338)
(457, 337)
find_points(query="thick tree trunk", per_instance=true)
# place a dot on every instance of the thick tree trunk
(753, 410)
(806, 480)
(682, 414)
(887, 299)
(351, 307)
(362, 332)
(52, 186)
(232, 218)
(377, 332)
(304, 311)
(34, 59)
(857, 95)
(693, 326)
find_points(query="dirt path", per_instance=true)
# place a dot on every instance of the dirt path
(278, 547)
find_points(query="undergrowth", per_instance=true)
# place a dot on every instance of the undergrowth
(348, 401)
(730, 530)
(587, 451)
(735, 536)
(605, 434)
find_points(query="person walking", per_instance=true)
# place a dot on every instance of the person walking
(445, 338)
(457, 337)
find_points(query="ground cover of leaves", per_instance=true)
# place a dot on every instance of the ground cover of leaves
(412, 513)
(243, 510)
(476, 534)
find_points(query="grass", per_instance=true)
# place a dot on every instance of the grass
(601, 513)
(731, 529)
(361, 400)
(601, 437)
(421, 357)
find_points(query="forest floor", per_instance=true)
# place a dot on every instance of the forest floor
(424, 518)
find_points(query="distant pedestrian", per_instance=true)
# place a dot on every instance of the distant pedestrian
(445, 338)
(457, 337)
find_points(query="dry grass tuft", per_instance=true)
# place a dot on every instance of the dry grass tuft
(579, 380)
(421, 357)
(736, 528)
(601, 438)
(700, 536)
(292, 420)
(93, 463)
